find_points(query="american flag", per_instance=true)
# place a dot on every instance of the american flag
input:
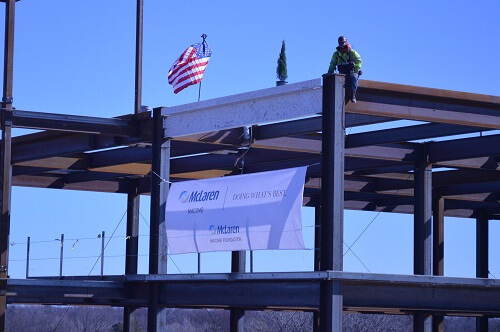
(189, 68)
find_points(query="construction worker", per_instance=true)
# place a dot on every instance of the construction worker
(349, 63)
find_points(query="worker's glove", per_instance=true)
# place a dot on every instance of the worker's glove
(351, 65)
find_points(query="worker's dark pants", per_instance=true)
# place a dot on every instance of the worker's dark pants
(351, 81)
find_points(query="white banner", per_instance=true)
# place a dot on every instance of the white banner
(241, 212)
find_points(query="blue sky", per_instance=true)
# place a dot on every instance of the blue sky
(75, 57)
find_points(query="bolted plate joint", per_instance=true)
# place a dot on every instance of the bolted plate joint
(7, 99)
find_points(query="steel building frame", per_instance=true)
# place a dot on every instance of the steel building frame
(301, 124)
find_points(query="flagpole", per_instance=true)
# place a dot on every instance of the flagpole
(204, 36)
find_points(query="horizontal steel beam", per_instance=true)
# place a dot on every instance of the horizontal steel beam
(73, 123)
(424, 114)
(38, 146)
(304, 99)
(65, 291)
(428, 97)
(56, 182)
(310, 125)
(287, 102)
(409, 133)
(363, 292)
(465, 148)
(50, 143)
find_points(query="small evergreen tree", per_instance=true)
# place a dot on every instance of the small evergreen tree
(281, 71)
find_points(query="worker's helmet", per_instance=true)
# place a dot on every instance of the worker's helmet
(342, 41)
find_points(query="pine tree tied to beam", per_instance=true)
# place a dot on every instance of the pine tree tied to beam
(281, 70)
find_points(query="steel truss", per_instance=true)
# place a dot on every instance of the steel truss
(404, 169)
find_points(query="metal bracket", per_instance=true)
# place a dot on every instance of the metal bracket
(3, 268)
(7, 117)
(7, 99)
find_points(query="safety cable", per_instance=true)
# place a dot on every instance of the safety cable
(371, 222)
(66, 311)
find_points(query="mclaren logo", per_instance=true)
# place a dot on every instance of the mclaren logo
(223, 229)
(184, 196)
(198, 196)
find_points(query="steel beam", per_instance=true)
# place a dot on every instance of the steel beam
(409, 133)
(274, 104)
(310, 125)
(129, 314)
(160, 170)
(425, 114)
(154, 223)
(401, 94)
(45, 146)
(422, 235)
(73, 123)
(482, 246)
(438, 249)
(376, 293)
(317, 254)
(470, 188)
(5, 201)
(6, 155)
(332, 200)
(65, 291)
(423, 219)
(131, 252)
(482, 269)
(407, 95)
(237, 316)
(363, 292)
(49, 144)
(304, 100)
(465, 148)
(139, 31)
(483, 163)
(438, 235)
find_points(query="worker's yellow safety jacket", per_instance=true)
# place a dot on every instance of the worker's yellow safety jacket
(342, 59)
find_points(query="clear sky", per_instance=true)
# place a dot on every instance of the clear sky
(77, 57)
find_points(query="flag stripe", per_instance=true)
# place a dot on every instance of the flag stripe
(185, 58)
(186, 71)
(189, 68)
(191, 76)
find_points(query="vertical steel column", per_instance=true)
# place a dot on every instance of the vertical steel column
(317, 255)
(138, 55)
(332, 200)
(131, 252)
(438, 250)
(132, 246)
(438, 235)
(102, 252)
(482, 269)
(132, 243)
(422, 235)
(237, 316)
(160, 170)
(28, 245)
(61, 256)
(5, 155)
(162, 228)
